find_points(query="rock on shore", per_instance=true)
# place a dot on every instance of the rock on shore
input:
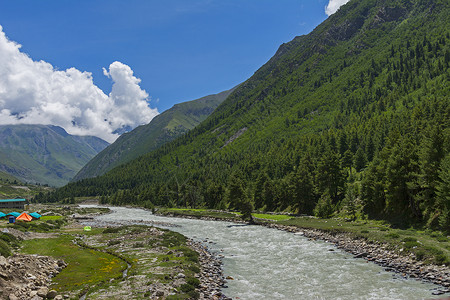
(26, 277)
(211, 275)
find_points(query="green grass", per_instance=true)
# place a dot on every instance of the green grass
(272, 217)
(197, 213)
(47, 218)
(86, 268)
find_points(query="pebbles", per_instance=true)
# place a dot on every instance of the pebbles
(28, 276)
(211, 275)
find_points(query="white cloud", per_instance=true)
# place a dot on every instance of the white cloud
(333, 6)
(34, 92)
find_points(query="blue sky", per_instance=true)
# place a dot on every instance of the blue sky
(179, 49)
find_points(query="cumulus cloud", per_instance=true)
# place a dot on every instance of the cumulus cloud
(34, 92)
(333, 6)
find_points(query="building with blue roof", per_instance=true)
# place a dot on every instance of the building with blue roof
(13, 203)
(14, 214)
(35, 215)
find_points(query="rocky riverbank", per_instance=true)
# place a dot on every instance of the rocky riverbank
(211, 275)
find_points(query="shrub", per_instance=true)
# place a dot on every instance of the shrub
(194, 294)
(4, 249)
(138, 245)
(393, 235)
(409, 239)
(113, 242)
(442, 239)
(324, 207)
(194, 269)
(420, 254)
(410, 242)
(112, 230)
(441, 259)
(8, 238)
(186, 288)
(193, 281)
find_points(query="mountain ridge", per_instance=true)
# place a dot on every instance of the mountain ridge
(163, 128)
(44, 154)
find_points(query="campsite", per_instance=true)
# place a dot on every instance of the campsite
(132, 262)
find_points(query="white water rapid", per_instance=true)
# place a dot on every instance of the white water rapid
(271, 264)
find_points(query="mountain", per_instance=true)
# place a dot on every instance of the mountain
(349, 120)
(45, 154)
(163, 128)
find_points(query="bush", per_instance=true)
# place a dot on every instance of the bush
(8, 238)
(441, 259)
(4, 249)
(113, 242)
(194, 294)
(193, 281)
(112, 230)
(194, 269)
(409, 239)
(420, 254)
(324, 207)
(186, 288)
(138, 245)
(393, 235)
(442, 239)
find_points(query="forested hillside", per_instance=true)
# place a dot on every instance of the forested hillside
(163, 128)
(351, 119)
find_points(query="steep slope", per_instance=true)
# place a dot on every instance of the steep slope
(44, 154)
(143, 139)
(352, 118)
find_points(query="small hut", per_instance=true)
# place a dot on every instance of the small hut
(11, 219)
(35, 215)
(24, 217)
(14, 214)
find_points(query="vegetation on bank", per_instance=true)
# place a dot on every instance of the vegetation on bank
(350, 119)
(98, 258)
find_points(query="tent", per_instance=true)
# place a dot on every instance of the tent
(2, 215)
(14, 214)
(35, 215)
(24, 217)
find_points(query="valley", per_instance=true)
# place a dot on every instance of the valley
(323, 174)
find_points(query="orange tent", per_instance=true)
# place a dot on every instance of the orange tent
(24, 217)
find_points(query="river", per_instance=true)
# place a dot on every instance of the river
(272, 264)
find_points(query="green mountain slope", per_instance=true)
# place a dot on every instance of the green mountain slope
(163, 128)
(44, 154)
(351, 119)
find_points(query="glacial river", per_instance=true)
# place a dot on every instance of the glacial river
(271, 264)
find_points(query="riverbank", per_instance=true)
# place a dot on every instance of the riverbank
(399, 256)
(201, 278)
(109, 261)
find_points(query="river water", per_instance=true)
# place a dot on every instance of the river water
(272, 264)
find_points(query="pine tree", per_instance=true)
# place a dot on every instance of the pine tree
(443, 194)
